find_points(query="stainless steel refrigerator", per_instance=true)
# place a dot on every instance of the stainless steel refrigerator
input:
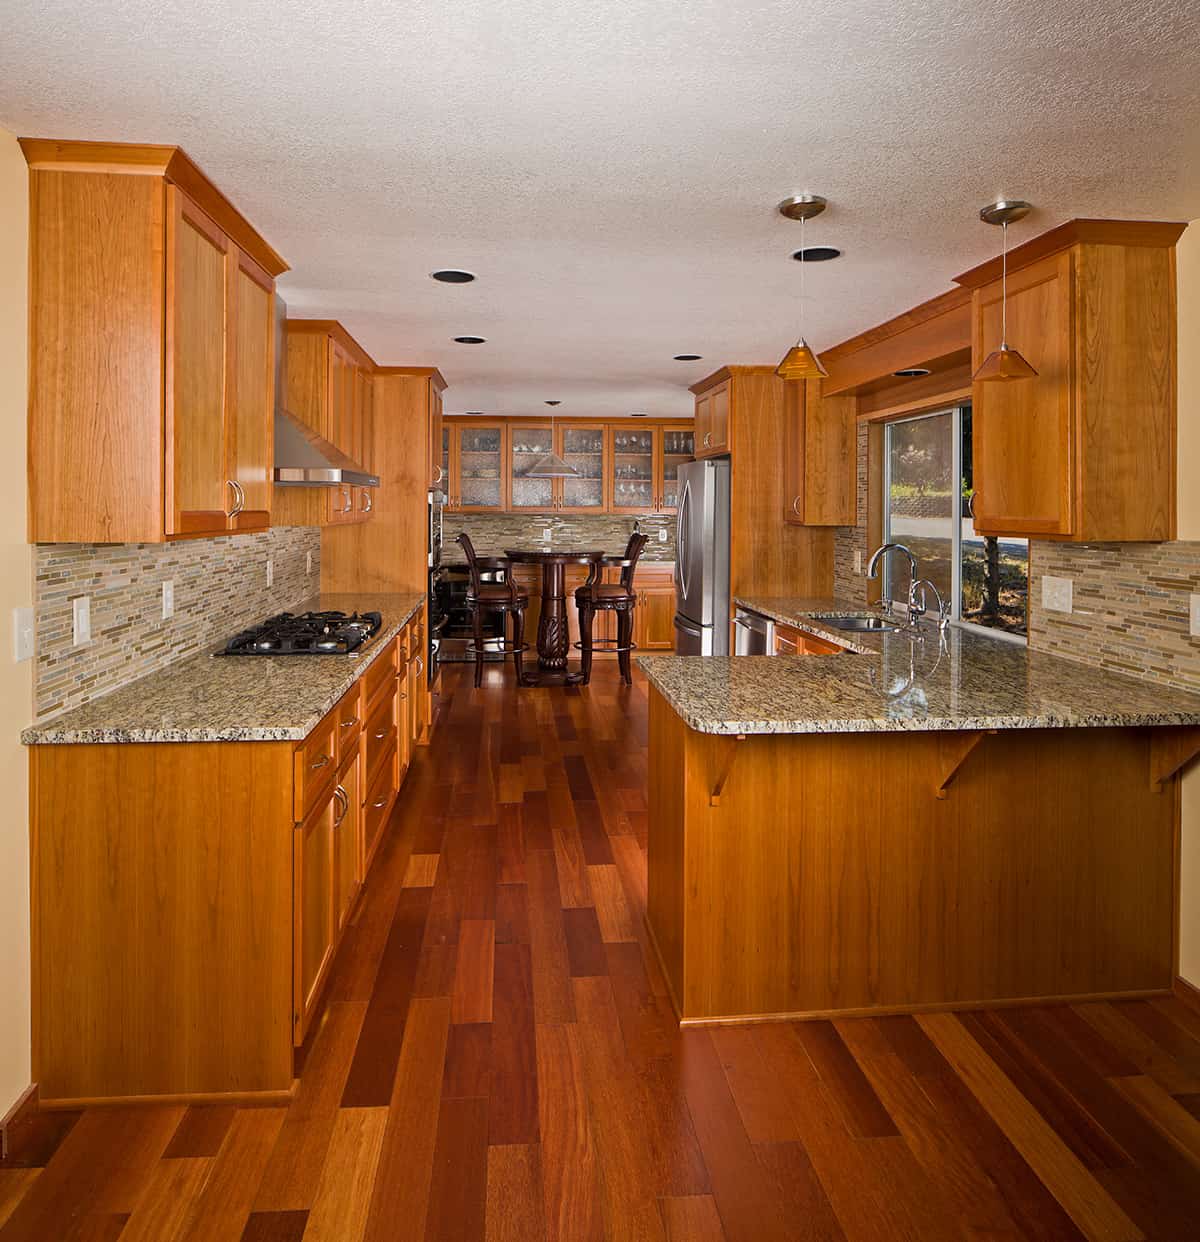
(702, 559)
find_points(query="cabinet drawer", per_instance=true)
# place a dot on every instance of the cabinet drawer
(349, 723)
(381, 795)
(381, 673)
(315, 766)
(381, 730)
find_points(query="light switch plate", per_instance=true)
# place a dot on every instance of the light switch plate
(662, 534)
(22, 623)
(1057, 593)
(270, 572)
(81, 620)
(168, 599)
(1194, 615)
(858, 560)
(307, 563)
(547, 534)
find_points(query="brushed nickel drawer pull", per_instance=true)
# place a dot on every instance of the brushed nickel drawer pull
(380, 736)
(796, 506)
(343, 799)
(319, 762)
(349, 724)
(380, 804)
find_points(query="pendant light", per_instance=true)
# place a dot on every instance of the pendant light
(550, 465)
(1004, 363)
(800, 362)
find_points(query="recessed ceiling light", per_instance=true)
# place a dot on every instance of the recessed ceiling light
(816, 254)
(453, 276)
(474, 413)
(640, 414)
(554, 403)
(688, 357)
(471, 340)
(911, 372)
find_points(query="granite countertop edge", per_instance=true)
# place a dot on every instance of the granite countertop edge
(59, 732)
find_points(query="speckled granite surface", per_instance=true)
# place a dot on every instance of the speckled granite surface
(207, 698)
(899, 681)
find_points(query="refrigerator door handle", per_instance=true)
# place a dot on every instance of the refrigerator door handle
(681, 548)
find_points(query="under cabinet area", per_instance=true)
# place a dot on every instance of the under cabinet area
(189, 897)
(152, 349)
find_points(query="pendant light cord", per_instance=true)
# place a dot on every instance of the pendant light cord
(803, 265)
(1004, 285)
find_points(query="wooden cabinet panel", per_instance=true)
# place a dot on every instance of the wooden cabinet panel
(437, 470)
(377, 806)
(313, 910)
(635, 470)
(347, 842)
(526, 446)
(677, 446)
(820, 456)
(251, 434)
(712, 418)
(654, 619)
(316, 765)
(588, 448)
(478, 467)
(1022, 434)
(198, 324)
(791, 641)
(380, 737)
(349, 724)
(406, 716)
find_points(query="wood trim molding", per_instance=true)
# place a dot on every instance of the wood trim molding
(15, 1125)
(1091, 232)
(331, 327)
(511, 420)
(728, 373)
(944, 303)
(953, 750)
(434, 376)
(868, 413)
(1187, 994)
(1171, 750)
(171, 163)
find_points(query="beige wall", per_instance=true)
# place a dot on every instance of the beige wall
(16, 582)
(1188, 257)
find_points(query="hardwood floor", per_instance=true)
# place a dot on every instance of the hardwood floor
(498, 1060)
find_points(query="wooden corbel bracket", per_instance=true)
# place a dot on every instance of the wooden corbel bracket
(1171, 750)
(953, 749)
(731, 753)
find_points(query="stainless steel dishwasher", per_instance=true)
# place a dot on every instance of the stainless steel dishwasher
(753, 634)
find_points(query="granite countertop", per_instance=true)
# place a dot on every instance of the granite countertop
(209, 698)
(888, 682)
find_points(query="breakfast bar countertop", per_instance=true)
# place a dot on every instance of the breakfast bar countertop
(208, 698)
(889, 682)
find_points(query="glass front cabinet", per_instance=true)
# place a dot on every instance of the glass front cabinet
(678, 445)
(646, 463)
(527, 445)
(478, 467)
(583, 447)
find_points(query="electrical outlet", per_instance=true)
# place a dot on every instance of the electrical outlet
(662, 534)
(547, 534)
(1057, 593)
(858, 560)
(81, 620)
(270, 572)
(22, 634)
(168, 599)
(1194, 615)
(307, 564)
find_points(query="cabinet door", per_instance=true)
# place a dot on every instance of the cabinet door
(347, 843)
(404, 714)
(437, 466)
(583, 446)
(678, 445)
(718, 434)
(787, 641)
(479, 467)
(419, 677)
(633, 473)
(342, 397)
(820, 456)
(655, 627)
(200, 260)
(527, 446)
(340, 502)
(703, 423)
(1022, 430)
(446, 481)
(313, 910)
(251, 427)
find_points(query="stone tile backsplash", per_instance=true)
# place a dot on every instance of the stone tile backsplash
(491, 533)
(220, 587)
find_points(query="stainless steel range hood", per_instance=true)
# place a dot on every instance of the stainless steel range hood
(303, 457)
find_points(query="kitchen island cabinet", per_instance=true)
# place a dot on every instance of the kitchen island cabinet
(911, 827)
(199, 842)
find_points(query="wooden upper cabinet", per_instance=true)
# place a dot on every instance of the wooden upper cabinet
(527, 444)
(150, 361)
(478, 467)
(1085, 451)
(588, 448)
(713, 412)
(677, 445)
(437, 469)
(820, 466)
(635, 451)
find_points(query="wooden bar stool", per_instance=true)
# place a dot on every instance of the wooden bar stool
(503, 597)
(618, 597)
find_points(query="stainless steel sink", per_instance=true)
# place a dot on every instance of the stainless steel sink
(857, 624)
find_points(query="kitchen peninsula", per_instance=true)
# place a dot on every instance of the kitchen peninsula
(928, 820)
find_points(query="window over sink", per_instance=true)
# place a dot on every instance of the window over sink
(928, 489)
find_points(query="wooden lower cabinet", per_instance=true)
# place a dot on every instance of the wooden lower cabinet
(189, 898)
(791, 641)
(654, 619)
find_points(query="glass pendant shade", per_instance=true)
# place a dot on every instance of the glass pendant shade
(1004, 364)
(800, 363)
(551, 466)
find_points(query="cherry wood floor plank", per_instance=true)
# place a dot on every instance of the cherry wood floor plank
(764, 1112)
(691, 1218)
(339, 1211)
(468, 1072)
(202, 1131)
(1164, 1031)
(40, 1137)
(574, 888)
(679, 1168)
(405, 1169)
(861, 1109)
(513, 1111)
(801, 1195)
(435, 969)
(512, 914)
(1087, 1203)
(535, 820)
(1163, 1112)
(421, 871)
(612, 908)
(458, 1192)
(510, 846)
(553, 1000)
(15, 1183)
(515, 1211)
(275, 1227)
(592, 834)
(570, 1178)
(1137, 1047)
(165, 1207)
(585, 949)
(474, 971)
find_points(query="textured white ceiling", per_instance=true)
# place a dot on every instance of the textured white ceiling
(610, 169)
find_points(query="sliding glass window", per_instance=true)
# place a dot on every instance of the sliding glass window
(928, 488)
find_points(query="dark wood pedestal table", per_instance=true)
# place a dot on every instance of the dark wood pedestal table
(553, 636)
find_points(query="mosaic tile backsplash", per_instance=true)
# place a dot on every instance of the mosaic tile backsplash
(491, 533)
(1130, 606)
(220, 587)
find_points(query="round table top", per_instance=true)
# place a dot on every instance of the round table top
(543, 556)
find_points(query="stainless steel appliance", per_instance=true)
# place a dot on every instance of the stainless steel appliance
(753, 634)
(306, 633)
(702, 559)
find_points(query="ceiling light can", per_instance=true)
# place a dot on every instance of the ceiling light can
(452, 276)
(471, 340)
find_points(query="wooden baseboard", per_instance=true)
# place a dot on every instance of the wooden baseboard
(15, 1125)
(243, 1099)
(1187, 994)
